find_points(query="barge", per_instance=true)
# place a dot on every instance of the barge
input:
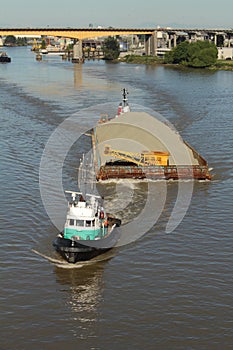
(139, 145)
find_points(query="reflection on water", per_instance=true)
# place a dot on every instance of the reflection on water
(84, 291)
(78, 77)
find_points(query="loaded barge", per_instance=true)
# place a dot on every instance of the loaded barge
(138, 145)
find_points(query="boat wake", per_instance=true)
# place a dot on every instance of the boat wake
(65, 265)
(49, 258)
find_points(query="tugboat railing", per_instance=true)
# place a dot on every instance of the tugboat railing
(80, 193)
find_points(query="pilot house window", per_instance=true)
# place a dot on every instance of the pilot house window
(80, 223)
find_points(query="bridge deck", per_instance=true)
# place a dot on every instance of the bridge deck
(87, 33)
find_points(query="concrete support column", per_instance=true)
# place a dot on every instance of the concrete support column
(190, 37)
(215, 39)
(174, 38)
(169, 41)
(155, 37)
(78, 52)
(151, 44)
(147, 44)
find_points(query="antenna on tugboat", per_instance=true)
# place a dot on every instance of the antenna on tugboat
(124, 94)
(73, 194)
(92, 195)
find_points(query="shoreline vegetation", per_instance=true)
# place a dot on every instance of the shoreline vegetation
(151, 60)
(199, 54)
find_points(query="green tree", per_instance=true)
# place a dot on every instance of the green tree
(43, 44)
(111, 49)
(168, 58)
(202, 54)
(69, 47)
(10, 40)
(199, 54)
(21, 42)
(180, 54)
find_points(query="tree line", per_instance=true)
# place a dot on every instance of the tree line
(11, 40)
(200, 54)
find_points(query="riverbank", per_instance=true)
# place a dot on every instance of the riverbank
(223, 65)
(152, 60)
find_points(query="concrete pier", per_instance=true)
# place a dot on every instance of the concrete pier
(78, 52)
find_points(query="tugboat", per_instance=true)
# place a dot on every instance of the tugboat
(88, 231)
(4, 58)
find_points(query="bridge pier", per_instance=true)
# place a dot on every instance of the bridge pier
(229, 40)
(215, 39)
(78, 52)
(151, 44)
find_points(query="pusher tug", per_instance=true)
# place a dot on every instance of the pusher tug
(88, 231)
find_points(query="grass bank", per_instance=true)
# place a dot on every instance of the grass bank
(223, 65)
(141, 59)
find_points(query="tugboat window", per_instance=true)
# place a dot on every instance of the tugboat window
(72, 222)
(80, 222)
(88, 223)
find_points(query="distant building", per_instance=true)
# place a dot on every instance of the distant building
(225, 53)
(123, 46)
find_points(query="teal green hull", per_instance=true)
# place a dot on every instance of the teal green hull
(84, 234)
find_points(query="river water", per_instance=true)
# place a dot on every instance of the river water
(163, 291)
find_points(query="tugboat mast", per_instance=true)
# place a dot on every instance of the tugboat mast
(123, 106)
(124, 94)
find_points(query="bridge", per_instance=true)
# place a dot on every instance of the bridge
(155, 38)
(78, 34)
(74, 33)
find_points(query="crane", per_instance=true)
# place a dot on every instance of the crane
(145, 158)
